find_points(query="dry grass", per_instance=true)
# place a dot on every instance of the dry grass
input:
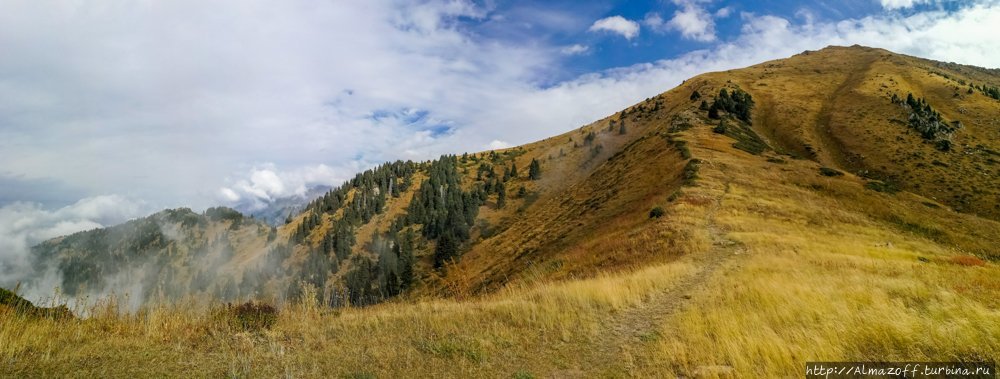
(539, 329)
(823, 280)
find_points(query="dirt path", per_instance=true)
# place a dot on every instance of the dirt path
(629, 329)
(832, 148)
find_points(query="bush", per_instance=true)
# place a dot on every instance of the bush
(691, 172)
(251, 316)
(826, 171)
(719, 129)
(673, 196)
(943, 145)
(656, 212)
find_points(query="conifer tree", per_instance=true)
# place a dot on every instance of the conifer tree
(535, 170)
(713, 112)
(446, 249)
(501, 196)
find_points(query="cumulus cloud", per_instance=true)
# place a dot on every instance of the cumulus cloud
(618, 25)
(654, 21)
(23, 225)
(693, 22)
(266, 183)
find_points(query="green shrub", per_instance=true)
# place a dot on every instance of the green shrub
(691, 171)
(943, 145)
(826, 171)
(656, 212)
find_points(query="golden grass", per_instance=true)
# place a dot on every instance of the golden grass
(544, 328)
(822, 281)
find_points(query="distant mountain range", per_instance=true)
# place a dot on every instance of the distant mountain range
(277, 211)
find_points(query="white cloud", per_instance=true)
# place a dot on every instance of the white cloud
(228, 195)
(654, 21)
(575, 49)
(266, 183)
(901, 4)
(693, 22)
(167, 99)
(618, 25)
(498, 144)
(724, 12)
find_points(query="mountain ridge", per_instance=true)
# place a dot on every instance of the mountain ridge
(573, 222)
(792, 209)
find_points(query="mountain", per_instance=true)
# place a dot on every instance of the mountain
(899, 125)
(276, 211)
(841, 204)
(165, 256)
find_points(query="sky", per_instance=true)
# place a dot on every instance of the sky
(115, 109)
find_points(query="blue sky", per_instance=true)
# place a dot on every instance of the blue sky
(115, 109)
(567, 23)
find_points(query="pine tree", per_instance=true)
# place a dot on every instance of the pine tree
(713, 112)
(695, 95)
(447, 249)
(501, 196)
(621, 130)
(513, 170)
(535, 170)
(406, 261)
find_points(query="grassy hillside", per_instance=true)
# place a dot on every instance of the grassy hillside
(811, 220)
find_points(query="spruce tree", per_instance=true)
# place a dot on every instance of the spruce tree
(713, 112)
(501, 196)
(406, 261)
(535, 170)
(446, 249)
